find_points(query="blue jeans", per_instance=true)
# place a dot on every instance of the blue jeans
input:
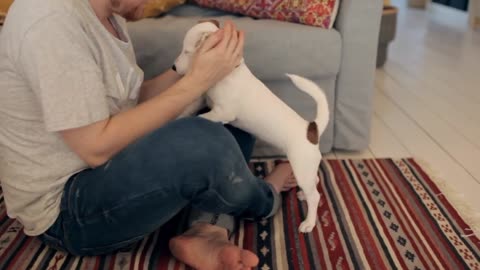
(189, 162)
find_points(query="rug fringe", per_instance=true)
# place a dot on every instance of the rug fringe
(456, 199)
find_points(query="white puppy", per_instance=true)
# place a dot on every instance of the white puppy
(245, 102)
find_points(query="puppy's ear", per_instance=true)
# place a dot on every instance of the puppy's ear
(217, 23)
(202, 39)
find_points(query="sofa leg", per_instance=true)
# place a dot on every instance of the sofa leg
(382, 54)
(388, 28)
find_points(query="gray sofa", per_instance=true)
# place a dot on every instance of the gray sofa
(341, 60)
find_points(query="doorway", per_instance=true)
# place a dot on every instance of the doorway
(458, 4)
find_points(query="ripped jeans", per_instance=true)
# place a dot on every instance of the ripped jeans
(189, 162)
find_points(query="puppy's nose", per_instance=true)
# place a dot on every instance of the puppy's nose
(174, 68)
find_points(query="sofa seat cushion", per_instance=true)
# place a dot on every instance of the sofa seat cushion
(272, 48)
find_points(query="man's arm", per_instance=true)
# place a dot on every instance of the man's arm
(95, 144)
(155, 86)
(98, 142)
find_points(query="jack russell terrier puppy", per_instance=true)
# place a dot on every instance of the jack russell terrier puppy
(245, 102)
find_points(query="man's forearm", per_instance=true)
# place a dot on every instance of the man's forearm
(158, 84)
(128, 126)
(98, 142)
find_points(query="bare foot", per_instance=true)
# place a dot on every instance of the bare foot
(282, 177)
(206, 247)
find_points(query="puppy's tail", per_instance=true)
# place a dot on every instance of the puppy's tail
(318, 95)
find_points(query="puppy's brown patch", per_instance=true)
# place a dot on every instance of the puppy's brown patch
(312, 133)
(217, 23)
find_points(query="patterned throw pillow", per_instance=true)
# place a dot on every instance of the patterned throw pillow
(154, 8)
(319, 13)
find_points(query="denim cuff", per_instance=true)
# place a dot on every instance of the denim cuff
(226, 221)
(277, 201)
(221, 220)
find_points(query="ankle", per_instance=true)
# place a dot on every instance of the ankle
(203, 228)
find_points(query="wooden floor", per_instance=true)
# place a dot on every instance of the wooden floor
(427, 102)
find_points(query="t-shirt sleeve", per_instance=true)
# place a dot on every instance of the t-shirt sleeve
(61, 70)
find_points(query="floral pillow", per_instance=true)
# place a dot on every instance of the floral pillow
(320, 13)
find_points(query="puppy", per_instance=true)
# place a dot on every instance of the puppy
(245, 102)
(201, 102)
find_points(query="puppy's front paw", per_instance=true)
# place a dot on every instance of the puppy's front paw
(306, 227)
(301, 196)
(217, 116)
(211, 116)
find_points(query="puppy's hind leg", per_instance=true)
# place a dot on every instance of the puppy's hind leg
(306, 173)
(312, 198)
(301, 196)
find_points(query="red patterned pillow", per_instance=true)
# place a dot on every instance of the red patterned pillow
(319, 13)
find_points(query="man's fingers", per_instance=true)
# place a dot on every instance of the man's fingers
(227, 36)
(232, 45)
(240, 45)
(212, 41)
(232, 36)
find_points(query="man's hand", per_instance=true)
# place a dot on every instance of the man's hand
(214, 60)
(218, 56)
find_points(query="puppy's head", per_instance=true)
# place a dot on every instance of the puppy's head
(193, 40)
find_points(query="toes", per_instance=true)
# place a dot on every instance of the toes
(291, 182)
(289, 185)
(237, 259)
(287, 188)
(249, 259)
(233, 266)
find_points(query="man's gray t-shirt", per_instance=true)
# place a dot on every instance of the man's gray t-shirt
(59, 69)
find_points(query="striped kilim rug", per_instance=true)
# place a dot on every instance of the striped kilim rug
(374, 214)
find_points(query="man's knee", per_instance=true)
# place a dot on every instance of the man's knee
(238, 189)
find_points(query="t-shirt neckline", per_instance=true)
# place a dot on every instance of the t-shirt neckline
(113, 20)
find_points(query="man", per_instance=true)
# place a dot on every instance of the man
(91, 158)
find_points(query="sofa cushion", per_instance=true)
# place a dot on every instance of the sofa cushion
(319, 13)
(154, 8)
(272, 48)
(4, 6)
